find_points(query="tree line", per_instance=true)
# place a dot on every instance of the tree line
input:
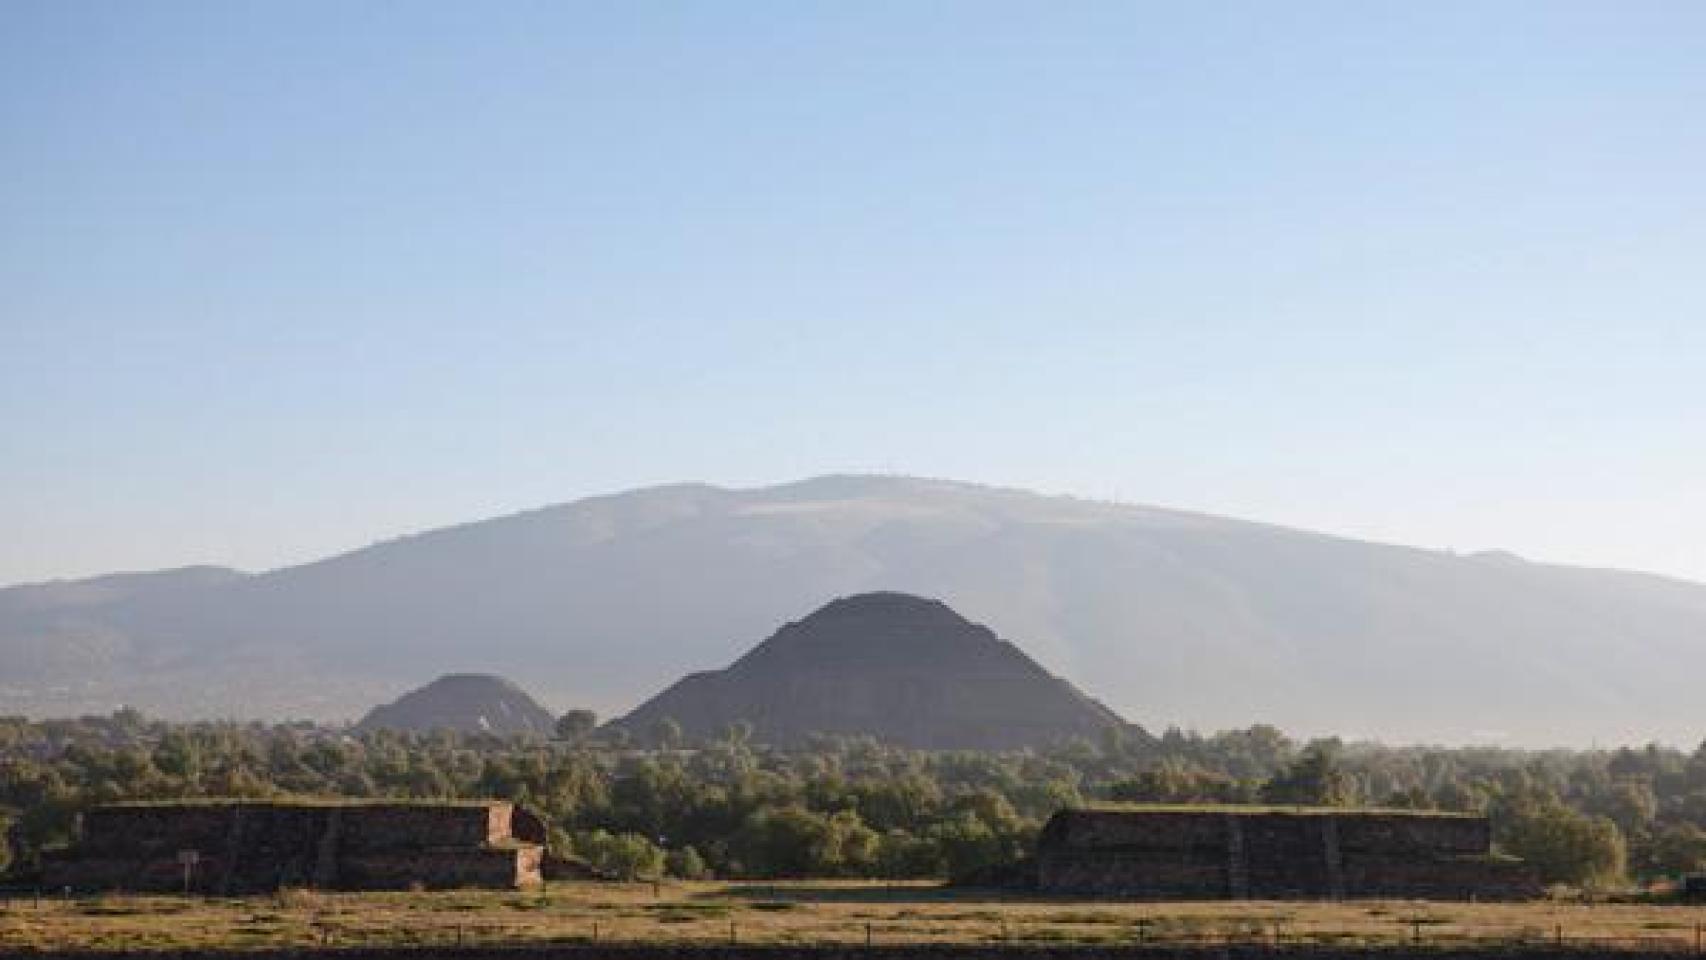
(655, 804)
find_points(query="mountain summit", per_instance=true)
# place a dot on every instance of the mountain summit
(904, 669)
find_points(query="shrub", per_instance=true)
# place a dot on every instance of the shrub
(626, 856)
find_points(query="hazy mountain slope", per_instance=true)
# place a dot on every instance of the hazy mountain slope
(904, 669)
(1165, 616)
(65, 632)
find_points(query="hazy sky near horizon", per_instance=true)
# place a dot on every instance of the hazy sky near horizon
(280, 279)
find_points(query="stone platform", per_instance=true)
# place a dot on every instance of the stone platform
(247, 846)
(1159, 852)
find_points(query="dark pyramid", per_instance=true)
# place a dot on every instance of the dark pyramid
(465, 702)
(904, 669)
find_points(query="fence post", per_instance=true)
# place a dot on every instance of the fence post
(732, 938)
(867, 936)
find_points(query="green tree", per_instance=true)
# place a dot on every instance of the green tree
(686, 864)
(666, 733)
(1179, 781)
(738, 733)
(1115, 742)
(5, 841)
(576, 724)
(850, 848)
(904, 802)
(1562, 845)
(1678, 849)
(654, 797)
(967, 844)
(795, 842)
(625, 856)
(901, 855)
(1630, 804)
(784, 842)
(1315, 780)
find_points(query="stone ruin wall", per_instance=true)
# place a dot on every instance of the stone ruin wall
(259, 846)
(399, 870)
(1275, 855)
(1175, 829)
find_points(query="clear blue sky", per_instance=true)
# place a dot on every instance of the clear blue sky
(280, 279)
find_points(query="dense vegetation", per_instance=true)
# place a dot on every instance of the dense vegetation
(853, 807)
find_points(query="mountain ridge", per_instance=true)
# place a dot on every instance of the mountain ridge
(1491, 554)
(1178, 615)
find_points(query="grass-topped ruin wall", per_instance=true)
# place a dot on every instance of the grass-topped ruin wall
(248, 846)
(1275, 853)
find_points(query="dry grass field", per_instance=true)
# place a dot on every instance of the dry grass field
(799, 913)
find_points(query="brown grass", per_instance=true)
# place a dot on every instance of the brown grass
(804, 912)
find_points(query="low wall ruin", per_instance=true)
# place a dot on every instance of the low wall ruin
(1267, 853)
(244, 846)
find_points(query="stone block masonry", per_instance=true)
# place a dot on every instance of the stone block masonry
(1158, 852)
(249, 846)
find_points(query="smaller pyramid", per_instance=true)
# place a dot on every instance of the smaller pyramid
(907, 670)
(466, 703)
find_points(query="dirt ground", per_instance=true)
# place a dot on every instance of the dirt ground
(804, 913)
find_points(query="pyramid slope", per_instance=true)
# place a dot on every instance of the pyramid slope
(466, 703)
(904, 669)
